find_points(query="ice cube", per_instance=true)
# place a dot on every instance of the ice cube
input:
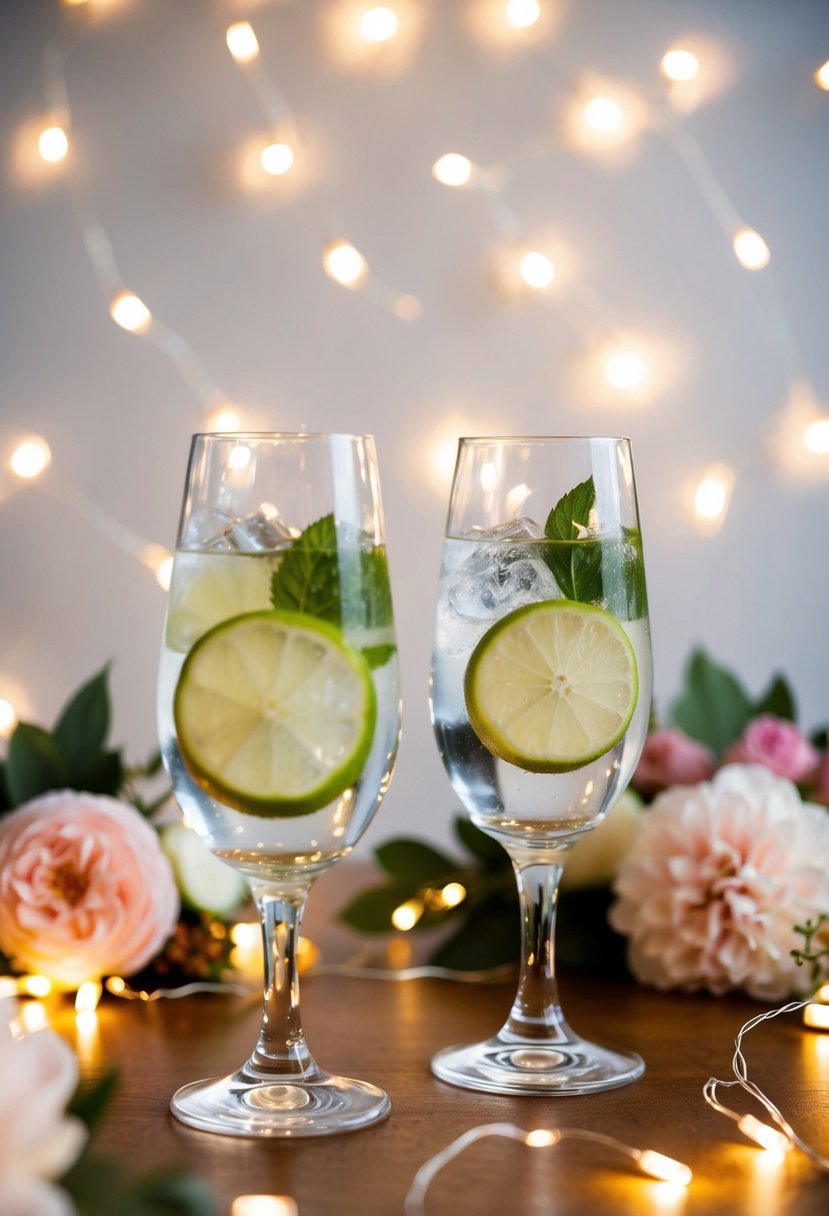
(263, 531)
(491, 580)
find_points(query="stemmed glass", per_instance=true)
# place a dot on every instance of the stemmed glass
(541, 690)
(279, 719)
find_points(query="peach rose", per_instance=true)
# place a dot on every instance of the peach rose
(38, 1142)
(671, 757)
(777, 745)
(85, 889)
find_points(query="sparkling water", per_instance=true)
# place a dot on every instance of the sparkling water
(485, 576)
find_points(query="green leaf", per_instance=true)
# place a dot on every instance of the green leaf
(371, 910)
(491, 937)
(34, 766)
(577, 563)
(99, 1188)
(5, 802)
(90, 1101)
(713, 706)
(174, 1192)
(414, 861)
(378, 656)
(584, 939)
(488, 851)
(778, 699)
(104, 775)
(82, 728)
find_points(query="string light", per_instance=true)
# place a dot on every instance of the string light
(822, 76)
(242, 41)
(816, 437)
(31, 457)
(224, 419)
(816, 1016)
(277, 159)
(679, 65)
(130, 312)
(452, 169)
(53, 145)
(264, 1205)
(712, 497)
(604, 115)
(655, 1165)
(536, 270)
(34, 985)
(88, 996)
(452, 894)
(406, 915)
(751, 250)
(345, 264)
(379, 24)
(625, 370)
(523, 13)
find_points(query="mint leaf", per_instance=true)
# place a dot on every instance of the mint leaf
(713, 707)
(378, 656)
(577, 565)
(307, 578)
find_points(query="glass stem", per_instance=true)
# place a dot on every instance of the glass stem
(536, 1013)
(281, 1050)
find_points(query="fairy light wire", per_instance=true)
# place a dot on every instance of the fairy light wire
(739, 1065)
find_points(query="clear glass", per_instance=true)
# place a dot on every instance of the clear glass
(498, 558)
(249, 502)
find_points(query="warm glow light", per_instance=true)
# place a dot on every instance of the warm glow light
(625, 370)
(245, 933)
(35, 985)
(164, 574)
(822, 76)
(679, 65)
(767, 1137)
(452, 169)
(378, 24)
(53, 144)
(264, 1205)
(88, 996)
(523, 13)
(664, 1168)
(239, 457)
(8, 718)
(822, 994)
(816, 1017)
(223, 419)
(32, 1017)
(489, 477)
(8, 987)
(816, 437)
(160, 561)
(536, 270)
(242, 41)
(31, 456)
(604, 115)
(407, 915)
(131, 313)
(277, 159)
(452, 894)
(345, 264)
(542, 1137)
(711, 496)
(751, 250)
(116, 985)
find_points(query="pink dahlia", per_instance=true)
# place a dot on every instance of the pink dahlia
(717, 878)
(778, 745)
(85, 889)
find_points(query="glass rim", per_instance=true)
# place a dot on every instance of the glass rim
(517, 439)
(287, 436)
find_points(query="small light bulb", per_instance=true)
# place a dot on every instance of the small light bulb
(712, 494)
(767, 1137)
(242, 41)
(239, 457)
(116, 985)
(345, 264)
(751, 250)
(542, 1137)
(35, 985)
(452, 894)
(130, 312)
(8, 718)
(625, 370)
(406, 916)
(264, 1205)
(88, 996)
(277, 159)
(679, 65)
(224, 419)
(523, 13)
(816, 1017)
(53, 145)
(536, 270)
(452, 169)
(245, 933)
(816, 437)
(604, 115)
(30, 458)
(664, 1168)
(378, 24)
(32, 1017)
(822, 76)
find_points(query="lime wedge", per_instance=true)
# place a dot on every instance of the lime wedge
(552, 686)
(205, 883)
(275, 713)
(208, 588)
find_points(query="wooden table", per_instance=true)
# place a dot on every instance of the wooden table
(386, 1032)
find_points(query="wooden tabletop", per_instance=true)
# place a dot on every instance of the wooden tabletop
(385, 1032)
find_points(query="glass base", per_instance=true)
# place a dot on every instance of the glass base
(238, 1106)
(509, 1065)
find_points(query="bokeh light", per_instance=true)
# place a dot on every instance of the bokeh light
(242, 41)
(452, 169)
(30, 457)
(751, 250)
(130, 312)
(53, 145)
(345, 264)
(536, 269)
(277, 159)
(379, 24)
(679, 65)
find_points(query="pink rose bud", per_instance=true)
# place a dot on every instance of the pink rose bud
(670, 757)
(777, 745)
(85, 889)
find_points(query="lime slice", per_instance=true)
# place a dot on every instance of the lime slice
(208, 588)
(275, 713)
(205, 883)
(552, 686)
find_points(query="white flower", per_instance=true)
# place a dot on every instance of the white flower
(717, 877)
(38, 1142)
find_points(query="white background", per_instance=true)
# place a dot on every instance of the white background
(160, 114)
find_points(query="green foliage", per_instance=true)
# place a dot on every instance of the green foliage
(577, 568)
(91, 1101)
(99, 1187)
(73, 755)
(332, 573)
(714, 708)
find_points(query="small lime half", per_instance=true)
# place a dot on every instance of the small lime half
(552, 686)
(275, 713)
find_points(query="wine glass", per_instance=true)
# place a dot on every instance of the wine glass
(540, 697)
(279, 719)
